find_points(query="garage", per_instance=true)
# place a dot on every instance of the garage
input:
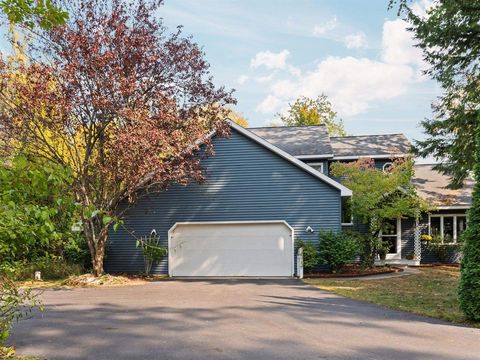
(242, 248)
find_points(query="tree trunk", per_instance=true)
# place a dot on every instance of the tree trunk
(96, 240)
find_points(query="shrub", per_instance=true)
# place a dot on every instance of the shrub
(310, 255)
(336, 249)
(368, 247)
(469, 289)
(51, 267)
(442, 252)
(15, 304)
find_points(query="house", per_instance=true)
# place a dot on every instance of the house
(265, 188)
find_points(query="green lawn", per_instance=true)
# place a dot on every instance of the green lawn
(432, 292)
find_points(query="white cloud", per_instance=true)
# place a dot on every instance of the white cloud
(355, 41)
(322, 29)
(264, 79)
(269, 105)
(398, 44)
(351, 83)
(270, 60)
(242, 79)
(295, 71)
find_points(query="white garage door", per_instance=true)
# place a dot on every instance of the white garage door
(231, 249)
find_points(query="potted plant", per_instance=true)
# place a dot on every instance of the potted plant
(382, 251)
(410, 256)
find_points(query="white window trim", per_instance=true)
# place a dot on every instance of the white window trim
(441, 216)
(317, 164)
(398, 254)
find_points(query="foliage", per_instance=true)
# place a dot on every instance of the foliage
(310, 254)
(36, 209)
(305, 111)
(469, 289)
(448, 35)
(15, 304)
(117, 99)
(31, 13)
(368, 247)
(442, 251)
(238, 119)
(426, 237)
(379, 196)
(336, 249)
(51, 267)
(152, 251)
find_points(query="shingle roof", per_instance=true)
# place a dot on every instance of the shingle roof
(431, 186)
(297, 140)
(368, 145)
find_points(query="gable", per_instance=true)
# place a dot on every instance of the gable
(291, 160)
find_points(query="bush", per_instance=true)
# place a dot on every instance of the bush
(336, 249)
(368, 247)
(442, 252)
(310, 255)
(51, 267)
(469, 289)
(15, 304)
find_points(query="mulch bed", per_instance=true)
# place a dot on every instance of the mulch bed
(355, 271)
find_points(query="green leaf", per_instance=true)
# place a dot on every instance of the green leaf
(106, 220)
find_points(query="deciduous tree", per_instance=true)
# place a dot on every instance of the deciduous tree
(305, 111)
(117, 99)
(31, 13)
(379, 196)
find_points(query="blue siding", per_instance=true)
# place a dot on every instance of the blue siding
(245, 181)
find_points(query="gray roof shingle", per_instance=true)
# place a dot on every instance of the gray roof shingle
(297, 140)
(376, 145)
(432, 187)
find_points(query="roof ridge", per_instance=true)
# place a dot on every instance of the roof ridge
(286, 126)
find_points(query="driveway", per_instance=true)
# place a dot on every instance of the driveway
(231, 319)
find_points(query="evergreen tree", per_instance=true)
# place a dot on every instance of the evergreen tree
(449, 35)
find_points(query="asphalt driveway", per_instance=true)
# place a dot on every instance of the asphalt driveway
(231, 319)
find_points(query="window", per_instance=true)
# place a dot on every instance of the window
(317, 166)
(449, 227)
(347, 218)
(390, 235)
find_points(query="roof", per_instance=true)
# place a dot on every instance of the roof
(379, 146)
(432, 187)
(298, 140)
(249, 134)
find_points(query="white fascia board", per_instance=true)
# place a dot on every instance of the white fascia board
(453, 207)
(344, 191)
(319, 156)
(356, 157)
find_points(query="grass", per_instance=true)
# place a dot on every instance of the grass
(432, 292)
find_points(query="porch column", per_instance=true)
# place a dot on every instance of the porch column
(417, 247)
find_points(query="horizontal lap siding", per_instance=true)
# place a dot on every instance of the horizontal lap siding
(244, 182)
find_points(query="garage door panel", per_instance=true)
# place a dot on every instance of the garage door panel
(253, 249)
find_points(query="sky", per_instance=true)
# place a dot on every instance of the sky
(356, 52)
